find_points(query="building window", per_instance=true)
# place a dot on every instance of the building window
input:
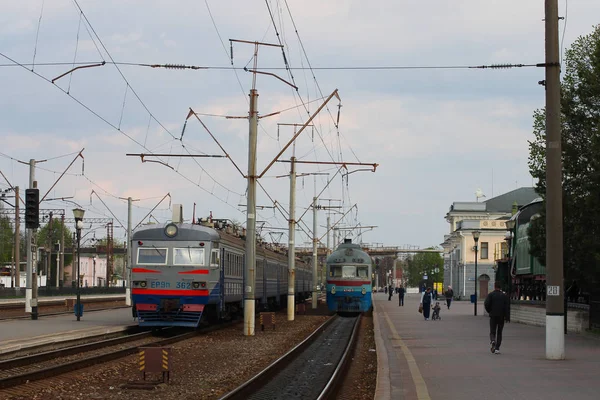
(484, 250)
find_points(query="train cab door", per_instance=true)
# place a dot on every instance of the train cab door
(220, 262)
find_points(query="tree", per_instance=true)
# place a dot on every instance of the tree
(580, 116)
(53, 231)
(421, 264)
(7, 241)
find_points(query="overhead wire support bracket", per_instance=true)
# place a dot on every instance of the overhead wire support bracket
(64, 172)
(342, 163)
(307, 123)
(80, 67)
(269, 73)
(215, 139)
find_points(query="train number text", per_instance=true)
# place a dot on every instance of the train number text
(160, 285)
(183, 285)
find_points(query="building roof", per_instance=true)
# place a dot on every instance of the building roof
(504, 202)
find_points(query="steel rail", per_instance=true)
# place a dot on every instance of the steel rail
(337, 378)
(52, 371)
(260, 379)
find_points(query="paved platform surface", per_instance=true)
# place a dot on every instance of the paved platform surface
(451, 359)
(18, 334)
(42, 299)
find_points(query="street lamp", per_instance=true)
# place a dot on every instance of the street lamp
(78, 215)
(476, 238)
(510, 224)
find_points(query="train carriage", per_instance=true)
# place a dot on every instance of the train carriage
(349, 279)
(184, 273)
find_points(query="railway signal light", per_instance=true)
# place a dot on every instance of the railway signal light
(32, 208)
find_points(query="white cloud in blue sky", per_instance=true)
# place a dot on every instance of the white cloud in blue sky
(438, 135)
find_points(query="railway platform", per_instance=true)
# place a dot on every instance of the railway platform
(49, 299)
(451, 359)
(25, 333)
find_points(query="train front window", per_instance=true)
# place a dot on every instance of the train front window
(362, 272)
(348, 271)
(335, 271)
(189, 256)
(152, 256)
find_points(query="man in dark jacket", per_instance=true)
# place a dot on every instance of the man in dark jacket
(496, 304)
(401, 292)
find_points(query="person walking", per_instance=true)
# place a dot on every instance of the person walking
(390, 293)
(401, 292)
(496, 304)
(426, 299)
(449, 296)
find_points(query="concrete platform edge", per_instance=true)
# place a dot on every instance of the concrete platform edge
(383, 388)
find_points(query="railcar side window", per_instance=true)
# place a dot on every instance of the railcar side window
(215, 258)
(348, 271)
(188, 256)
(152, 255)
(335, 271)
(362, 272)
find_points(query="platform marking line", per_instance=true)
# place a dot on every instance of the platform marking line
(420, 385)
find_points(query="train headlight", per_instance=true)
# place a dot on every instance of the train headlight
(171, 230)
(364, 290)
(198, 285)
(333, 289)
(141, 284)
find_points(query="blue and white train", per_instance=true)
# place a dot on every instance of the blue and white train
(349, 279)
(183, 272)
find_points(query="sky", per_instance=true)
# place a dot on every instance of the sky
(437, 134)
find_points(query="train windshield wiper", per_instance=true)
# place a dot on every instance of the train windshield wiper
(190, 253)
(157, 250)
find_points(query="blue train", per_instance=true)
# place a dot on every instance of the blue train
(184, 273)
(349, 279)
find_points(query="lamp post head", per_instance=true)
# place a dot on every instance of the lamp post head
(510, 224)
(476, 235)
(78, 214)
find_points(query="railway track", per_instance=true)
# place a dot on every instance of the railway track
(17, 371)
(312, 370)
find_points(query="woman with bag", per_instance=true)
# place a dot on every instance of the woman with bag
(425, 306)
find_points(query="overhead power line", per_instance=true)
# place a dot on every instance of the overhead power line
(324, 68)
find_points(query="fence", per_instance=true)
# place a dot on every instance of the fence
(63, 291)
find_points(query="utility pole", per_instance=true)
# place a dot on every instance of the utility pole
(555, 311)
(62, 251)
(34, 270)
(315, 255)
(291, 302)
(29, 238)
(128, 264)
(49, 255)
(17, 240)
(249, 272)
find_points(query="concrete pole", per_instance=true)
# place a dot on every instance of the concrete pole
(29, 236)
(128, 263)
(555, 311)
(249, 272)
(58, 265)
(451, 268)
(17, 240)
(62, 251)
(34, 283)
(291, 302)
(328, 250)
(315, 258)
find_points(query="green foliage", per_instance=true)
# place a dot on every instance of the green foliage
(47, 237)
(7, 239)
(424, 264)
(580, 116)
